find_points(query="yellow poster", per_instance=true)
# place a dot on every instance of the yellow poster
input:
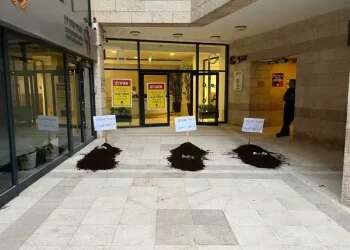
(121, 93)
(156, 96)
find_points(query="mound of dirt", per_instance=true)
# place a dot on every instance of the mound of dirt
(258, 157)
(100, 158)
(187, 157)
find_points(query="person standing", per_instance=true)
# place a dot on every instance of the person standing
(289, 107)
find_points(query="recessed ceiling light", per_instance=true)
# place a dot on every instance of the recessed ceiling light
(178, 35)
(135, 32)
(114, 52)
(135, 57)
(172, 53)
(150, 59)
(241, 27)
(215, 37)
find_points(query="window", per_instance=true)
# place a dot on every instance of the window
(121, 55)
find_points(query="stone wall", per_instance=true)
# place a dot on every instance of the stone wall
(323, 63)
(142, 11)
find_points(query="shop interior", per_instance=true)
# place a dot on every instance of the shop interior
(175, 65)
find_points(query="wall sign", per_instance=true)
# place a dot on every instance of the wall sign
(121, 93)
(253, 125)
(156, 96)
(47, 123)
(277, 79)
(105, 122)
(185, 123)
(238, 81)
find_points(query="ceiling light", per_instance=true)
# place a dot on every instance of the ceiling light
(178, 35)
(215, 37)
(135, 32)
(241, 27)
(135, 57)
(114, 52)
(149, 59)
(172, 53)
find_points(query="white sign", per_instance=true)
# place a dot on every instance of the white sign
(253, 125)
(105, 122)
(238, 81)
(185, 123)
(47, 123)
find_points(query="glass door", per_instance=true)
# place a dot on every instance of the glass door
(207, 98)
(155, 103)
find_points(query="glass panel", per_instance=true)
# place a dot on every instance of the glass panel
(156, 106)
(81, 9)
(87, 102)
(207, 103)
(168, 56)
(120, 55)
(5, 161)
(221, 96)
(73, 73)
(36, 102)
(212, 57)
(128, 113)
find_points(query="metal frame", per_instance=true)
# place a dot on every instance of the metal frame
(195, 72)
(17, 186)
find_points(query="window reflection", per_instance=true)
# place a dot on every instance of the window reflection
(39, 103)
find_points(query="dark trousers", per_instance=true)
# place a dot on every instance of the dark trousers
(288, 117)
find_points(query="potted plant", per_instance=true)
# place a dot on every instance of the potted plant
(122, 114)
(41, 155)
(176, 90)
(27, 161)
(51, 151)
(207, 111)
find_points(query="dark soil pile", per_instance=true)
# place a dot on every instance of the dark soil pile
(257, 156)
(100, 158)
(188, 157)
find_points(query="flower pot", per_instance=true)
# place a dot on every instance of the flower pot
(28, 161)
(189, 109)
(177, 106)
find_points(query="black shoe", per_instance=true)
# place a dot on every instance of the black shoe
(281, 135)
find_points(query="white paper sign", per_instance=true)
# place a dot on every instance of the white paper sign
(105, 122)
(47, 123)
(185, 123)
(253, 125)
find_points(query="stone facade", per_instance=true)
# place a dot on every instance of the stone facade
(323, 62)
(142, 11)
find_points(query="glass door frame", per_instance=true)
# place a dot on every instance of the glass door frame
(216, 121)
(142, 94)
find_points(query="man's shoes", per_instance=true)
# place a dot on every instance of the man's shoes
(281, 135)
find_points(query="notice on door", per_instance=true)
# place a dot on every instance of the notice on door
(156, 96)
(121, 93)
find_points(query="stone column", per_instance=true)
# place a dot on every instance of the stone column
(99, 72)
(345, 196)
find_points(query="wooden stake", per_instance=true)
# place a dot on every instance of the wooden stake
(188, 136)
(106, 136)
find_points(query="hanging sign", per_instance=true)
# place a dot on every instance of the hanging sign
(185, 123)
(253, 125)
(121, 93)
(105, 122)
(47, 123)
(156, 96)
(238, 81)
(277, 79)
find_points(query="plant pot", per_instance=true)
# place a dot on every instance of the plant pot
(207, 115)
(53, 154)
(177, 106)
(123, 118)
(189, 109)
(29, 162)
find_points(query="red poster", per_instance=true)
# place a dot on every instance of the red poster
(277, 79)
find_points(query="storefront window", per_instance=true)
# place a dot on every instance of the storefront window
(122, 96)
(87, 102)
(39, 103)
(121, 55)
(5, 162)
(172, 56)
(212, 57)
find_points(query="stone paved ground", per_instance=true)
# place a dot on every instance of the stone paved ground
(145, 205)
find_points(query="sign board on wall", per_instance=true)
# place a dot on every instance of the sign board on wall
(238, 81)
(47, 123)
(253, 125)
(105, 122)
(156, 96)
(277, 79)
(121, 93)
(185, 123)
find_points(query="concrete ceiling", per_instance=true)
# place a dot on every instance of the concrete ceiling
(261, 16)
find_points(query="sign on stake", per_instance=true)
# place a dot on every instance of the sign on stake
(185, 124)
(253, 125)
(104, 123)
